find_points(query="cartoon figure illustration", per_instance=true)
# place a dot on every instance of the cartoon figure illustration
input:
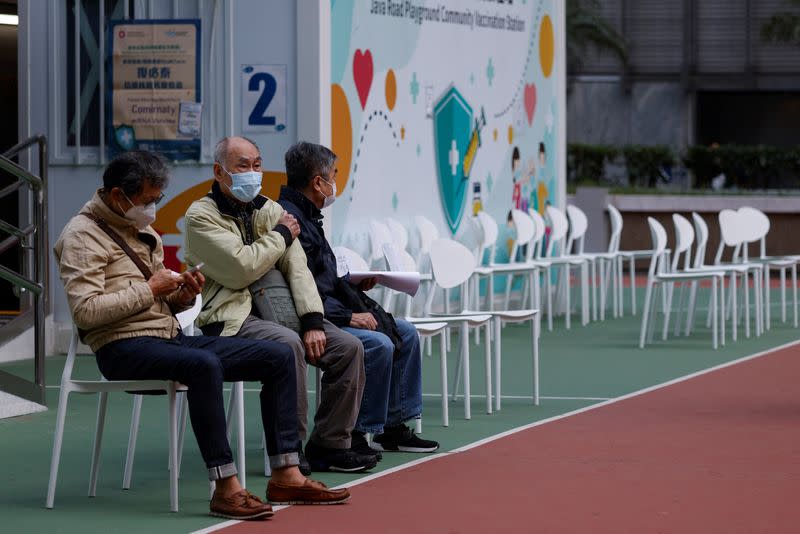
(516, 178)
(542, 193)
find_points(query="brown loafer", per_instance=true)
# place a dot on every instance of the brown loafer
(241, 505)
(311, 492)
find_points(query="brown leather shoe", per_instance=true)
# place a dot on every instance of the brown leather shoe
(241, 505)
(311, 492)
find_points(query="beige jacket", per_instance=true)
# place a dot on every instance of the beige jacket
(215, 238)
(108, 296)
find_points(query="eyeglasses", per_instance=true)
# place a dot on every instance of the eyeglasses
(157, 201)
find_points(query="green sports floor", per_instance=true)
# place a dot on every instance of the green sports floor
(579, 367)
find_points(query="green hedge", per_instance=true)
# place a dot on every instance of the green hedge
(745, 167)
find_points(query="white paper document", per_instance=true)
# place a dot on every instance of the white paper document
(405, 281)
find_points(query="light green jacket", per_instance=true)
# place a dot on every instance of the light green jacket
(215, 239)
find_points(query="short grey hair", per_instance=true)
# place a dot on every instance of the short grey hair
(221, 148)
(306, 160)
(130, 170)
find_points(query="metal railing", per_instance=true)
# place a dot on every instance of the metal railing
(32, 239)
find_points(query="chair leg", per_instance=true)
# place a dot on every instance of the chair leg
(783, 294)
(794, 292)
(714, 312)
(535, 342)
(487, 355)
(658, 291)
(691, 307)
(238, 389)
(632, 273)
(734, 290)
(746, 289)
(102, 404)
(767, 297)
(593, 275)
(443, 371)
(645, 314)
(465, 367)
(173, 449)
(58, 440)
(457, 374)
(497, 363)
(132, 437)
(669, 289)
(566, 285)
(548, 284)
(183, 411)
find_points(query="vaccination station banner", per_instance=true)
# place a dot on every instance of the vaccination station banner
(444, 108)
(154, 87)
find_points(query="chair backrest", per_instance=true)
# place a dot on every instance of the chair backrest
(378, 235)
(560, 226)
(398, 232)
(187, 318)
(684, 237)
(757, 223)
(452, 263)
(730, 232)
(489, 227)
(701, 237)
(428, 233)
(578, 224)
(541, 230)
(526, 232)
(659, 237)
(350, 258)
(398, 259)
(616, 228)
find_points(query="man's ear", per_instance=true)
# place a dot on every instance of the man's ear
(219, 174)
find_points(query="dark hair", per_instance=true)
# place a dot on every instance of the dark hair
(541, 148)
(304, 161)
(130, 170)
(514, 155)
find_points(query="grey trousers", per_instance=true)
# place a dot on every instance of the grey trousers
(342, 381)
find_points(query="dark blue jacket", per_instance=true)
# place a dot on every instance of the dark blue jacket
(321, 260)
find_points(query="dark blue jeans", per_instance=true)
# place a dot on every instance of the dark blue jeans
(202, 363)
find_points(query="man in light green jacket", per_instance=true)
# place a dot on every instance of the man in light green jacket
(239, 236)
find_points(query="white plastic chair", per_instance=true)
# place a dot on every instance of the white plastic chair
(658, 275)
(630, 255)
(104, 387)
(351, 259)
(756, 225)
(558, 255)
(398, 232)
(452, 267)
(379, 234)
(429, 331)
(729, 236)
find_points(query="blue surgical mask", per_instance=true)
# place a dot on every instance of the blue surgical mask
(245, 186)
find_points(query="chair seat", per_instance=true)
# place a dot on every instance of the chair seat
(471, 320)
(507, 315)
(518, 266)
(637, 253)
(129, 386)
(737, 268)
(668, 277)
(429, 329)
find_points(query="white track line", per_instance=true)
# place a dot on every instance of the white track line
(518, 429)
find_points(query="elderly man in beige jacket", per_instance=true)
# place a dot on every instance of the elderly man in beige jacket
(240, 236)
(123, 301)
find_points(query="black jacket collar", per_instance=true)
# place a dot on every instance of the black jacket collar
(302, 202)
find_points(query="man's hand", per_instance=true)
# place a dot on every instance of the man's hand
(367, 283)
(192, 285)
(288, 220)
(363, 320)
(314, 341)
(164, 282)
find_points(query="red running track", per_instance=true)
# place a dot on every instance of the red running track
(716, 453)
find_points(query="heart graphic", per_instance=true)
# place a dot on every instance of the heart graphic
(362, 74)
(530, 101)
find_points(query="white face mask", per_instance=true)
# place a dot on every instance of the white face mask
(329, 199)
(141, 216)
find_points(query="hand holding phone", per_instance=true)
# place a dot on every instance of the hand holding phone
(195, 268)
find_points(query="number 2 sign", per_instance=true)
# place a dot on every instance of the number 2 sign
(264, 98)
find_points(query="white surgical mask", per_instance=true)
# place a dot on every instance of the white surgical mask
(245, 186)
(329, 199)
(141, 216)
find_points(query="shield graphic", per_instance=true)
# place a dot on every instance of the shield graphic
(125, 137)
(452, 117)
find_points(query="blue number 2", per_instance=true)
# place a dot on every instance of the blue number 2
(257, 116)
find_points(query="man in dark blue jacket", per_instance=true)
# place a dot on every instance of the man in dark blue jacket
(392, 357)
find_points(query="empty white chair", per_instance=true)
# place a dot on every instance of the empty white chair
(398, 232)
(379, 234)
(630, 255)
(558, 256)
(658, 275)
(349, 258)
